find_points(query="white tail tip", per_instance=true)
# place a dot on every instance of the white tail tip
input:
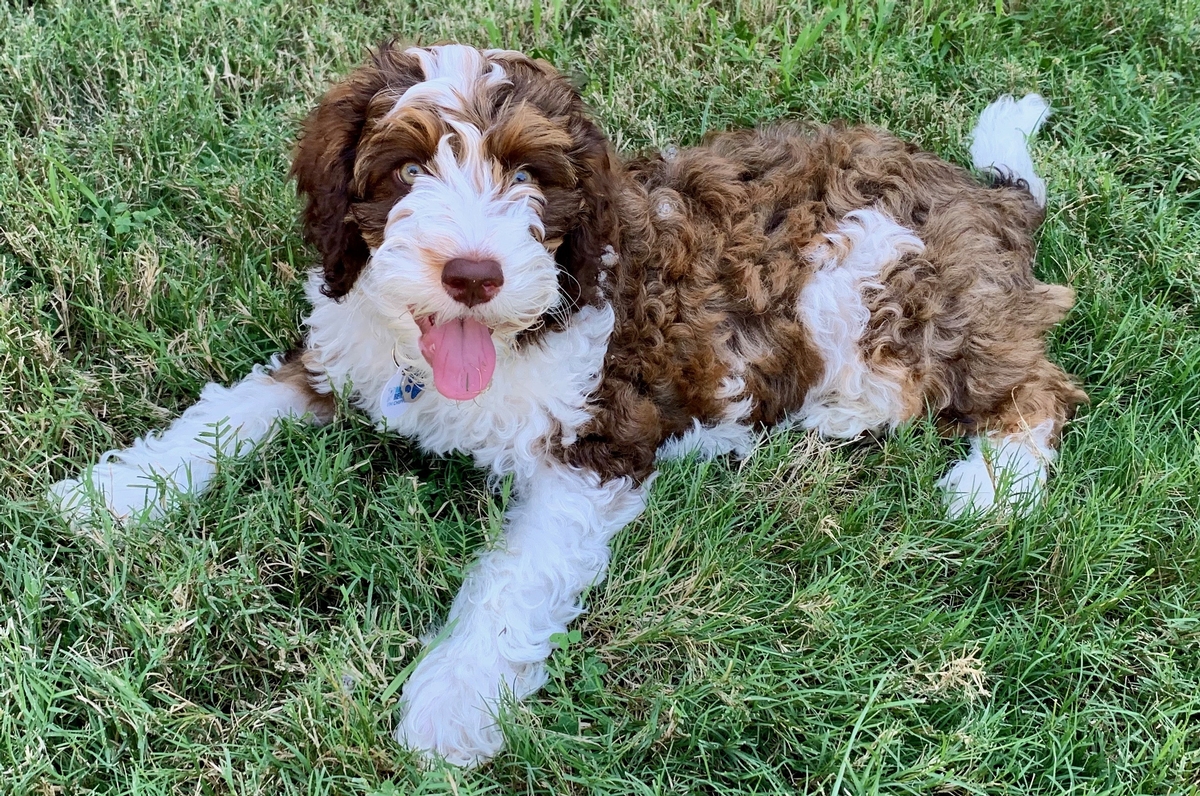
(999, 142)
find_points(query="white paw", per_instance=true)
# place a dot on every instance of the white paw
(1006, 473)
(449, 705)
(124, 492)
(969, 487)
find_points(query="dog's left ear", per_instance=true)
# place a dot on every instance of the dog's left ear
(597, 228)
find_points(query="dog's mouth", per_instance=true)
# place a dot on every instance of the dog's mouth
(461, 353)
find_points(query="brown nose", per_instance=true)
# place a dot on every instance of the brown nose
(472, 281)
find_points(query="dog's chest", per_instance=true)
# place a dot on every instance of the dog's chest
(536, 395)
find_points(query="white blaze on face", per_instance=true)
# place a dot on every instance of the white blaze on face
(464, 205)
(453, 73)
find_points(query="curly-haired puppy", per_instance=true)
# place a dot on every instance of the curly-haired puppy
(495, 280)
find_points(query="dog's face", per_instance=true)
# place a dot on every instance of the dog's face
(467, 190)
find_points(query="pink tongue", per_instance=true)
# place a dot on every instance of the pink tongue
(462, 356)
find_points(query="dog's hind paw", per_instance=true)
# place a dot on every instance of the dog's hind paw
(1000, 473)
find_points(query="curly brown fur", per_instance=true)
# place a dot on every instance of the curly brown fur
(713, 255)
(714, 247)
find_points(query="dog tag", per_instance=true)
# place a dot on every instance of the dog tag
(400, 391)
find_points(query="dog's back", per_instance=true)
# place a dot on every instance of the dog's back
(835, 277)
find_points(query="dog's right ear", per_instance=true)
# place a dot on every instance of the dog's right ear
(324, 163)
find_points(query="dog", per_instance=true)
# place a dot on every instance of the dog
(495, 280)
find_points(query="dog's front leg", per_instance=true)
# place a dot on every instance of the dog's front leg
(511, 602)
(145, 478)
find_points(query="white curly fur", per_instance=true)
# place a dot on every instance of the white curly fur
(512, 601)
(1000, 140)
(851, 398)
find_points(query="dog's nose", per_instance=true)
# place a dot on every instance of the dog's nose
(472, 281)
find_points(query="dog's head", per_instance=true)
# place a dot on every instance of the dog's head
(466, 188)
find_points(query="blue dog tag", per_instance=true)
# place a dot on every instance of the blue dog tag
(400, 391)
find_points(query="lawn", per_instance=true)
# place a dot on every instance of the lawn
(803, 621)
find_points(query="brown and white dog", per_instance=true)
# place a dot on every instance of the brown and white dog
(495, 280)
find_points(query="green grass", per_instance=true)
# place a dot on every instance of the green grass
(804, 621)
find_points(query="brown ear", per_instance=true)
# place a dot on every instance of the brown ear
(324, 163)
(580, 256)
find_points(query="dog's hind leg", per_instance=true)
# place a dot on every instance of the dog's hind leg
(512, 601)
(1010, 459)
(1011, 397)
(145, 478)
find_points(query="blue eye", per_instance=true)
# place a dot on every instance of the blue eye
(409, 172)
(521, 177)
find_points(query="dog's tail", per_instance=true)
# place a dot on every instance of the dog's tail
(999, 142)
